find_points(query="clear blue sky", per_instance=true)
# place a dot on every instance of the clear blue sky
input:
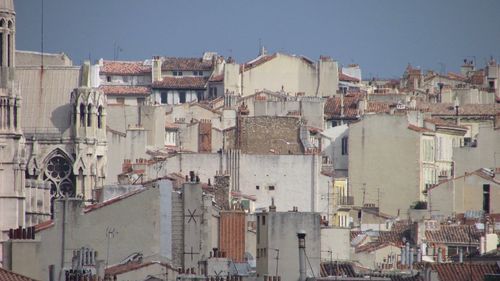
(382, 36)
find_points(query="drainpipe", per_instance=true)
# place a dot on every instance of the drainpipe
(460, 255)
(302, 255)
(63, 238)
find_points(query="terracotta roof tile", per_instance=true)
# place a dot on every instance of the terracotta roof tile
(126, 90)
(448, 109)
(181, 83)
(453, 234)
(464, 271)
(333, 106)
(337, 269)
(347, 78)
(131, 266)
(441, 122)
(217, 78)
(112, 201)
(258, 61)
(418, 129)
(373, 246)
(6, 275)
(125, 68)
(172, 63)
(44, 225)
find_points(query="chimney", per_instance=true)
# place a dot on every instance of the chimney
(156, 69)
(419, 255)
(272, 208)
(440, 256)
(460, 255)
(301, 235)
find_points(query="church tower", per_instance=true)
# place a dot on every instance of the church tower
(7, 42)
(12, 148)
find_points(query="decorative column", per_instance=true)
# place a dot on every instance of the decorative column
(11, 113)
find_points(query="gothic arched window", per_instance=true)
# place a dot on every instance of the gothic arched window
(58, 175)
(89, 115)
(2, 22)
(99, 117)
(82, 115)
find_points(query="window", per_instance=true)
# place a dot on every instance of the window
(164, 97)
(344, 145)
(198, 73)
(120, 100)
(82, 115)
(140, 101)
(257, 187)
(99, 117)
(177, 73)
(200, 95)
(263, 220)
(182, 96)
(492, 84)
(213, 92)
(108, 78)
(335, 123)
(486, 198)
(271, 187)
(89, 115)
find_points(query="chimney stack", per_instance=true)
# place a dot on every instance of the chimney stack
(301, 235)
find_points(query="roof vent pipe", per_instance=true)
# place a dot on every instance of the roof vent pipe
(301, 235)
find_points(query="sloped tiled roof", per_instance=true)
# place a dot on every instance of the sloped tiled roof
(124, 68)
(217, 78)
(181, 83)
(44, 225)
(448, 109)
(337, 269)
(131, 266)
(258, 61)
(479, 173)
(464, 271)
(172, 63)
(6, 275)
(112, 201)
(333, 106)
(441, 122)
(453, 234)
(347, 78)
(126, 90)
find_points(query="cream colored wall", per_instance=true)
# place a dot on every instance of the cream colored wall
(293, 73)
(381, 147)
(463, 194)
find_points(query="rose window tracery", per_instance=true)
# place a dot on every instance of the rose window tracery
(58, 173)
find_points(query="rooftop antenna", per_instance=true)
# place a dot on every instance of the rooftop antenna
(41, 35)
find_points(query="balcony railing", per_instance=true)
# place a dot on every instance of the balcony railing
(345, 200)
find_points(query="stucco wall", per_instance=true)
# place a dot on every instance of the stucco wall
(280, 232)
(384, 155)
(485, 155)
(463, 194)
(337, 241)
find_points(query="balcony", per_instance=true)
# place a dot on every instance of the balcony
(345, 201)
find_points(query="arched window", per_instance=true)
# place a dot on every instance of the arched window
(2, 22)
(89, 115)
(99, 117)
(9, 24)
(82, 115)
(58, 175)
